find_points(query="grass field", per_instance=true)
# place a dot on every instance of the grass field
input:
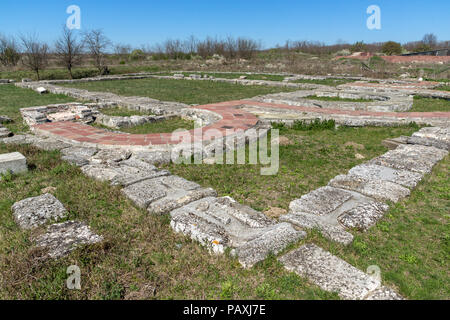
(326, 82)
(269, 77)
(185, 91)
(165, 126)
(429, 104)
(13, 98)
(123, 112)
(308, 160)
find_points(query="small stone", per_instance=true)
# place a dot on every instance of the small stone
(41, 90)
(5, 119)
(359, 156)
(33, 212)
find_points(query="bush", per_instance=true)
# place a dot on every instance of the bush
(317, 124)
(136, 55)
(392, 48)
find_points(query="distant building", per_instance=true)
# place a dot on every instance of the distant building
(438, 53)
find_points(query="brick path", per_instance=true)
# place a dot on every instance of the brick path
(233, 119)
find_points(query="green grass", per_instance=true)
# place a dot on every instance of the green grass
(140, 251)
(326, 82)
(422, 104)
(123, 112)
(13, 98)
(443, 88)
(267, 77)
(337, 99)
(165, 126)
(310, 159)
(185, 91)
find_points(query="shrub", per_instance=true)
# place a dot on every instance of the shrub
(317, 124)
(137, 55)
(392, 48)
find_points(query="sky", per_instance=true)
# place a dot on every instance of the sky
(147, 22)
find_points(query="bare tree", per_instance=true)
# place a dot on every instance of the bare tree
(9, 52)
(122, 49)
(97, 44)
(430, 40)
(69, 50)
(35, 54)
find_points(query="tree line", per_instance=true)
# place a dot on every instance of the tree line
(72, 47)
(69, 50)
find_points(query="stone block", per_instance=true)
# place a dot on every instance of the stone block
(61, 239)
(13, 162)
(329, 272)
(33, 212)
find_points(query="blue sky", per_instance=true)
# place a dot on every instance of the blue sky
(147, 22)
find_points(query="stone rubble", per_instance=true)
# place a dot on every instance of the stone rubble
(33, 212)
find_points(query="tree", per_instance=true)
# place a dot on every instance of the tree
(35, 55)
(392, 48)
(122, 49)
(97, 44)
(9, 52)
(422, 47)
(430, 40)
(359, 46)
(69, 50)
